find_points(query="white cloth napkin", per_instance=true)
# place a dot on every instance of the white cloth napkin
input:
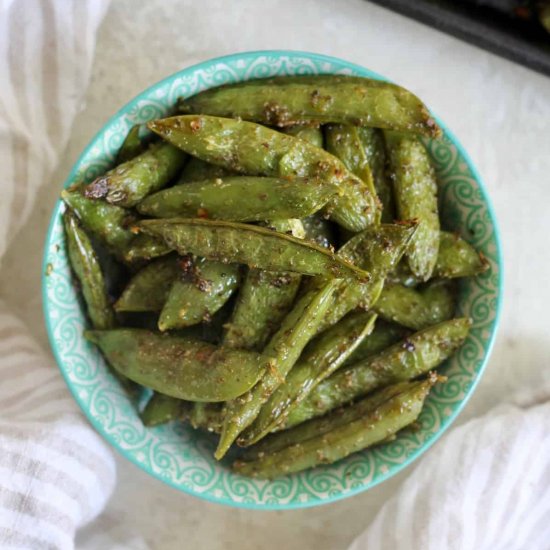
(56, 473)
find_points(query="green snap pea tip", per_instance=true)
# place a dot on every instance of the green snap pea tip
(288, 101)
(255, 246)
(255, 150)
(239, 198)
(178, 366)
(130, 182)
(161, 409)
(207, 416)
(131, 147)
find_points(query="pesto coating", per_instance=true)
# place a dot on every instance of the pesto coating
(284, 101)
(255, 150)
(252, 245)
(239, 198)
(130, 182)
(407, 359)
(177, 366)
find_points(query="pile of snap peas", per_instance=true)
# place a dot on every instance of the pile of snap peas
(270, 262)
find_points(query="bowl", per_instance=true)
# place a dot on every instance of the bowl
(182, 457)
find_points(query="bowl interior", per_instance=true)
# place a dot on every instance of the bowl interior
(182, 457)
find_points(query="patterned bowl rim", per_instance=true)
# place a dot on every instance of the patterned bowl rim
(418, 452)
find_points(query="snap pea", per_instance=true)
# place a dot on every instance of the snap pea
(320, 359)
(319, 230)
(415, 191)
(148, 289)
(200, 291)
(131, 147)
(222, 199)
(264, 299)
(458, 258)
(207, 416)
(383, 336)
(178, 366)
(372, 140)
(284, 348)
(161, 409)
(256, 150)
(130, 182)
(319, 426)
(377, 250)
(367, 429)
(344, 142)
(248, 244)
(417, 308)
(340, 99)
(196, 169)
(313, 134)
(85, 265)
(114, 227)
(416, 355)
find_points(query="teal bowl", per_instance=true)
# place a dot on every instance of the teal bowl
(182, 457)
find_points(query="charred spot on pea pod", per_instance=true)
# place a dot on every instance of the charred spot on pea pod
(195, 125)
(281, 280)
(97, 189)
(408, 345)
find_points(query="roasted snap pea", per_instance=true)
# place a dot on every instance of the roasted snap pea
(371, 426)
(416, 355)
(207, 416)
(256, 150)
(130, 182)
(148, 289)
(344, 142)
(249, 244)
(417, 308)
(458, 258)
(415, 192)
(286, 101)
(196, 169)
(319, 230)
(320, 359)
(202, 288)
(377, 250)
(114, 227)
(239, 198)
(383, 336)
(372, 140)
(161, 409)
(331, 421)
(313, 134)
(264, 299)
(85, 265)
(178, 366)
(131, 147)
(283, 349)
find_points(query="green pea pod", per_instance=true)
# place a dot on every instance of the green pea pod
(319, 426)
(372, 140)
(320, 359)
(149, 288)
(222, 199)
(201, 291)
(207, 416)
(312, 134)
(416, 355)
(264, 299)
(373, 426)
(255, 246)
(377, 250)
(284, 348)
(161, 409)
(196, 169)
(255, 150)
(131, 147)
(113, 226)
(458, 258)
(85, 265)
(178, 366)
(417, 309)
(130, 182)
(344, 142)
(319, 230)
(415, 191)
(383, 336)
(340, 99)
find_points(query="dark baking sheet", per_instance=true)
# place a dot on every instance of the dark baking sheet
(523, 41)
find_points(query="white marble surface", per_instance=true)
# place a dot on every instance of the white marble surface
(501, 113)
